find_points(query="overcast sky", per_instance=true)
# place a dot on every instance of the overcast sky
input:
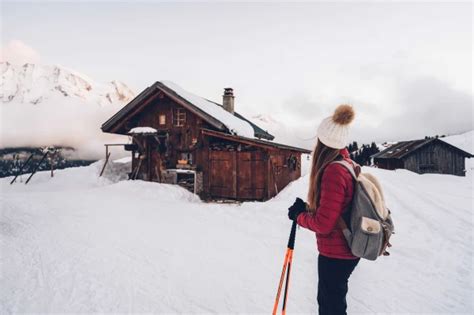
(406, 67)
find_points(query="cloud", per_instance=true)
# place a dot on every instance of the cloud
(60, 122)
(389, 107)
(17, 52)
(423, 106)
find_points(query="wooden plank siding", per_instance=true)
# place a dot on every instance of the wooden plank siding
(237, 175)
(251, 175)
(181, 139)
(434, 157)
(283, 174)
(232, 168)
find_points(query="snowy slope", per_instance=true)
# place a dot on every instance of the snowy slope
(464, 141)
(296, 134)
(35, 84)
(79, 244)
(50, 105)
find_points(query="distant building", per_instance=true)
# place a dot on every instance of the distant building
(423, 156)
(181, 138)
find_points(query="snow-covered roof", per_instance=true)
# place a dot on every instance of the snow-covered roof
(403, 148)
(235, 125)
(211, 112)
(127, 159)
(137, 130)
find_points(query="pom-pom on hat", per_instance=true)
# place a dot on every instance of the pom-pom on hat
(334, 130)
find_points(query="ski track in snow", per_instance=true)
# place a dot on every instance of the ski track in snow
(77, 243)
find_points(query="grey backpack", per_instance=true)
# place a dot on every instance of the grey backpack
(370, 225)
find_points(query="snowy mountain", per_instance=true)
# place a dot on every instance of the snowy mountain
(286, 133)
(36, 84)
(77, 243)
(46, 105)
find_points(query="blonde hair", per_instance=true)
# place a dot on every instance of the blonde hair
(322, 156)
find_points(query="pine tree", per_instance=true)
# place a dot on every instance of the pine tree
(355, 147)
(362, 155)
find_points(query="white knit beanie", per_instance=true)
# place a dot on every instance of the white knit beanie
(334, 130)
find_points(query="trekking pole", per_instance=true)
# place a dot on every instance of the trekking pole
(287, 269)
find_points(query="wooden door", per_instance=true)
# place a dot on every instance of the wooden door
(251, 170)
(222, 174)
(244, 175)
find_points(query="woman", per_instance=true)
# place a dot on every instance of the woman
(329, 196)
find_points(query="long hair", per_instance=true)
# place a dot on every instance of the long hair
(322, 156)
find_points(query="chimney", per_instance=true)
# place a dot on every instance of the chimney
(228, 100)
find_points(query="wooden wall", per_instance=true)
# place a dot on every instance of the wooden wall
(230, 170)
(436, 157)
(281, 173)
(388, 164)
(246, 172)
(237, 175)
(181, 139)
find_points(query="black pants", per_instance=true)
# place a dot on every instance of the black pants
(332, 286)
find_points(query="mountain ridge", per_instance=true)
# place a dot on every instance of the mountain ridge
(36, 83)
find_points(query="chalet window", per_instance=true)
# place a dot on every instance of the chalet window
(292, 163)
(162, 120)
(179, 117)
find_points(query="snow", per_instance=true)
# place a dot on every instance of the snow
(235, 125)
(126, 159)
(464, 141)
(77, 243)
(35, 84)
(137, 130)
(58, 107)
(303, 136)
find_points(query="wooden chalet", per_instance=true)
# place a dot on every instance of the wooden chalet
(181, 138)
(423, 156)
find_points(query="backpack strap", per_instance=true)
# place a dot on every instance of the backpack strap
(353, 169)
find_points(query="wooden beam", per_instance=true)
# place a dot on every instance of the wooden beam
(36, 167)
(274, 177)
(21, 168)
(177, 99)
(192, 108)
(254, 142)
(107, 156)
(132, 112)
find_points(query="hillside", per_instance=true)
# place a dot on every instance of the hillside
(46, 105)
(464, 141)
(37, 84)
(80, 244)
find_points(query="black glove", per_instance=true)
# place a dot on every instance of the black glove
(298, 207)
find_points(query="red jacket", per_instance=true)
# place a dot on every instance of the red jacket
(336, 194)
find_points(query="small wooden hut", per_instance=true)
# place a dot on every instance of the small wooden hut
(181, 138)
(423, 156)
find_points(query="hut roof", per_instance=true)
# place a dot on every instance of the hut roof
(211, 112)
(405, 148)
(253, 141)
